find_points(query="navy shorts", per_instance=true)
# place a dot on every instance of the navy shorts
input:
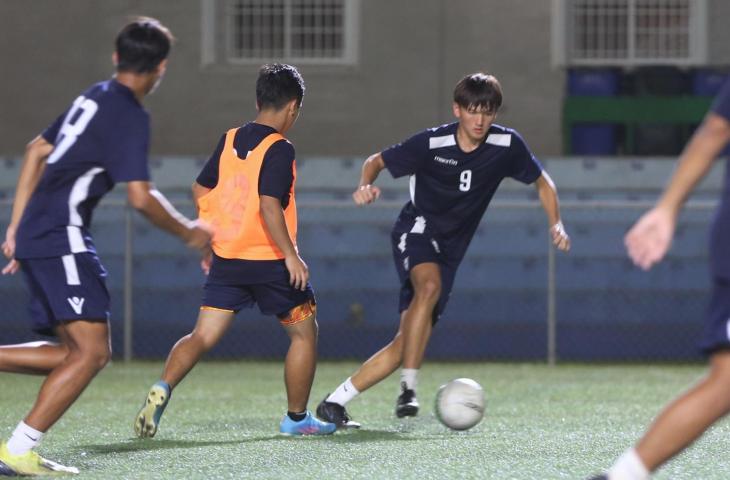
(716, 335)
(230, 286)
(413, 244)
(64, 289)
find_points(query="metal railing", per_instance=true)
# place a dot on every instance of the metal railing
(578, 216)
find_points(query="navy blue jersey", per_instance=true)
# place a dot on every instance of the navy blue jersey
(276, 174)
(720, 237)
(450, 188)
(102, 139)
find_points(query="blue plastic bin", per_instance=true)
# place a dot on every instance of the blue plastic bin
(596, 82)
(708, 82)
(593, 139)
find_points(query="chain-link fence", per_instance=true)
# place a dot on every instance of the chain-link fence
(515, 297)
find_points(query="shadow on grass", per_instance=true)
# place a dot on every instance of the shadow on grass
(137, 445)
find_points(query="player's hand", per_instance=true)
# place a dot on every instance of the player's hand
(651, 236)
(206, 261)
(298, 272)
(560, 237)
(8, 246)
(366, 194)
(198, 237)
(11, 268)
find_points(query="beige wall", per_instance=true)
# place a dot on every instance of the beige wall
(411, 53)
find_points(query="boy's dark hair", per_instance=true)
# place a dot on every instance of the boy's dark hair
(479, 90)
(141, 45)
(277, 85)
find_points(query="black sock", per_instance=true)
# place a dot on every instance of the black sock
(297, 417)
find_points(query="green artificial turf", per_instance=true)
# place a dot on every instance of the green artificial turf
(222, 422)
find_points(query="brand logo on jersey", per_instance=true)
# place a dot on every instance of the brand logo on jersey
(445, 161)
(76, 303)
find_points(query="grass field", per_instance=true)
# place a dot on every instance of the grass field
(222, 422)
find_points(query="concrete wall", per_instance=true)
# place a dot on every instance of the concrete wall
(411, 53)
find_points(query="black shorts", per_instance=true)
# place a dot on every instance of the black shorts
(413, 243)
(64, 289)
(230, 286)
(716, 334)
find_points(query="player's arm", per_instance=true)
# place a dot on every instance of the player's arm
(158, 210)
(198, 192)
(366, 192)
(549, 199)
(650, 238)
(273, 215)
(34, 162)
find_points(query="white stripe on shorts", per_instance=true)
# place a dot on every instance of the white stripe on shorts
(419, 226)
(72, 273)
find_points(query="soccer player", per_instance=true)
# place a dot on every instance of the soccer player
(454, 171)
(687, 417)
(102, 139)
(246, 192)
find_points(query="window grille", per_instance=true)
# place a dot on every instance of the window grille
(301, 31)
(630, 32)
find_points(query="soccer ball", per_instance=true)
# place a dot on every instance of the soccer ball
(460, 404)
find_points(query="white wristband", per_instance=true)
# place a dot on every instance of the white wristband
(558, 227)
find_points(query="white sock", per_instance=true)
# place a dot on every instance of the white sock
(344, 393)
(628, 467)
(24, 439)
(409, 376)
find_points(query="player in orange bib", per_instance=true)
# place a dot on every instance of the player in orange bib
(246, 194)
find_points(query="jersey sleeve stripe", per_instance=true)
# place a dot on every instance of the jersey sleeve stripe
(499, 139)
(440, 142)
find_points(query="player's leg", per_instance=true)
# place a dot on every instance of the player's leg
(73, 289)
(37, 357)
(417, 326)
(687, 417)
(300, 323)
(211, 325)
(376, 368)
(89, 352)
(301, 359)
(680, 424)
(409, 250)
(425, 282)
(34, 358)
(382, 364)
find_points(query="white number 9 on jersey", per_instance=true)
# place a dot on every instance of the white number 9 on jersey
(69, 132)
(465, 181)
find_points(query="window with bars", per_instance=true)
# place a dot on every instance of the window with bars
(297, 31)
(630, 32)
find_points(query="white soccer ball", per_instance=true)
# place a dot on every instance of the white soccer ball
(460, 404)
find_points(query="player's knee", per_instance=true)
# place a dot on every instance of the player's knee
(301, 320)
(205, 340)
(97, 358)
(429, 290)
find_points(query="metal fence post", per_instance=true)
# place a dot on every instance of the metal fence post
(128, 273)
(551, 317)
